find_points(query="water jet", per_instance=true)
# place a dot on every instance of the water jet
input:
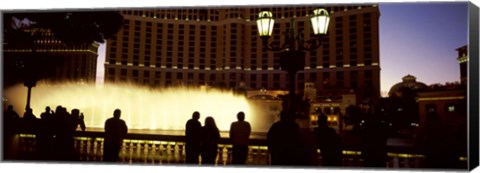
(142, 107)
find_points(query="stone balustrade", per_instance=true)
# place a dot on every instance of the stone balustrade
(149, 149)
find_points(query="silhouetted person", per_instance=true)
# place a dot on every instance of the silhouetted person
(29, 121)
(78, 120)
(11, 123)
(329, 143)
(239, 135)
(210, 138)
(374, 141)
(64, 135)
(193, 137)
(45, 134)
(306, 154)
(436, 142)
(282, 140)
(115, 131)
(70, 124)
(10, 114)
(48, 114)
(59, 126)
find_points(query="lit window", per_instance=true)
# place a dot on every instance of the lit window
(451, 108)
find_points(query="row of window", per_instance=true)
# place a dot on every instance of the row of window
(215, 14)
(213, 41)
(300, 25)
(449, 107)
(190, 64)
(313, 59)
(312, 76)
(228, 83)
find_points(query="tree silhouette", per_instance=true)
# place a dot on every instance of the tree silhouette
(24, 30)
(69, 27)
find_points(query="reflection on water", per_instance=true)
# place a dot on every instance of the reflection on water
(142, 108)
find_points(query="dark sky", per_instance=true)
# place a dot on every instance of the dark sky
(420, 39)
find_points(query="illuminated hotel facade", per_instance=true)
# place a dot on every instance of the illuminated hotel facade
(52, 60)
(220, 47)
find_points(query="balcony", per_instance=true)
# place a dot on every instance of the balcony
(155, 149)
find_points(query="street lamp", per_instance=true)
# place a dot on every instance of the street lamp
(292, 51)
(29, 75)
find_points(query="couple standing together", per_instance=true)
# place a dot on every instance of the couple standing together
(203, 140)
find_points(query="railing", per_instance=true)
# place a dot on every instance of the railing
(164, 150)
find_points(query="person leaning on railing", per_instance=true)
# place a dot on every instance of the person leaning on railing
(239, 136)
(115, 131)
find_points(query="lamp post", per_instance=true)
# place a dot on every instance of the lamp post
(29, 76)
(292, 51)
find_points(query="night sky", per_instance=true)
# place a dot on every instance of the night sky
(415, 38)
(420, 39)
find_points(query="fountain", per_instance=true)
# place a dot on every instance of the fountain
(142, 107)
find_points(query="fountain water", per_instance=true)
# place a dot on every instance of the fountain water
(142, 107)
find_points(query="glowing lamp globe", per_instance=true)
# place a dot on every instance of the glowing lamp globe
(320, 20)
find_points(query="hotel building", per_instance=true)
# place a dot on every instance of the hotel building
(47, 58)
(220, 46)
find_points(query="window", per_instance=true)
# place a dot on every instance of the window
(276, 77)
(353, 84)
(111, 71)
(368, 74)
(352, 18)
(340, 75)
(450, 108)
(253, 85)
(353, 75)
(431, 108)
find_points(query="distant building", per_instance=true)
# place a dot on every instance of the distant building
(52, 60)
(334, 107)
(409, 85)
(401, 107)
(220, 47)
(448, 101)
(409, 101)
(463, 61)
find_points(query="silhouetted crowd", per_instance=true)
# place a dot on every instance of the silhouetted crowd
(203, 141)
(54, 131)
(288, 144)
